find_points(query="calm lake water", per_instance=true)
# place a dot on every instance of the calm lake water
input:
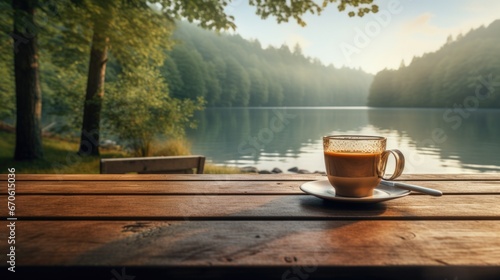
(432, 140)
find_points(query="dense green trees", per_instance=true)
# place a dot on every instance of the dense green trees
(191, 73)
(464, 73)
(7, 97)
(113, 27)
(230, 71)
(27, 81)
(225, 70)
(137, 109)
(125, 23)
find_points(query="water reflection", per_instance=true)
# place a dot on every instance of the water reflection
(287, 137)
(473, 141)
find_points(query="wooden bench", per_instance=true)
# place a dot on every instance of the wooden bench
(151, 165)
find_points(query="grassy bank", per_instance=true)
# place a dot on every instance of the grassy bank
(60, 158)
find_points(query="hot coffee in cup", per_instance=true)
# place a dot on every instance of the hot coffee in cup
(355, 164)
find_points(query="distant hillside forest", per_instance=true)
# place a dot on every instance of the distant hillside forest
(465, 72)
(228, 70)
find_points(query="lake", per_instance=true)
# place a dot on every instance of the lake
(432, 140)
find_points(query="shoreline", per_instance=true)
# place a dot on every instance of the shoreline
(276, 170)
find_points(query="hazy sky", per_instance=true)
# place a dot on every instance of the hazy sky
(401, 30)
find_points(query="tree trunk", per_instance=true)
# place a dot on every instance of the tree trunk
(89, 141)
(28, 92)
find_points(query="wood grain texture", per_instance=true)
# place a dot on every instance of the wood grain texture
(254, 207)
(249, 227)
(165, 177)
(257, 243)
(158, 187)
(152, 165)
(220, 187)
(236, 177)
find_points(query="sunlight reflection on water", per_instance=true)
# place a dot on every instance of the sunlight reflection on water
(243, 137)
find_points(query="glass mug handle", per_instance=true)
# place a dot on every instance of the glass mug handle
(400, 163)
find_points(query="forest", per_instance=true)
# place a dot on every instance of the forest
(463, 73)
(153, 85)
(228, 70)
(129, 67)
(225, 70)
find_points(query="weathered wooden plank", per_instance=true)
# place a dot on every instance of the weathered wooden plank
(220, 187)
(151, 165)
(237, 177)
(254, 207)
(158, 187)
(164, 177)
(254, 243)
(292, 230)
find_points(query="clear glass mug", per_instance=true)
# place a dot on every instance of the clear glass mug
(355, 164)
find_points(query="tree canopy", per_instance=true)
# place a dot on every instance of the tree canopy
(137, 110)
(124, 27)
(211, 14)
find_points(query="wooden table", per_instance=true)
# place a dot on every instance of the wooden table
(248, 227)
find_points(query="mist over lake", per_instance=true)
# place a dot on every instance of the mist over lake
(432, 140)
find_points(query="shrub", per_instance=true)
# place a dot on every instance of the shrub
(138, 108)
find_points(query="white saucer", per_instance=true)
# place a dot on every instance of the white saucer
(324, 190)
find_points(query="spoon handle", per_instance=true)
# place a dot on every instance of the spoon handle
(415, 188)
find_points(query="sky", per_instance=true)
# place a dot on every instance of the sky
(401, 30)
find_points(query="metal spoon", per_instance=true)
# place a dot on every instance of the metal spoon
(412, 188)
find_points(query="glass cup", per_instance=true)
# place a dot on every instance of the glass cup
(355, 164)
